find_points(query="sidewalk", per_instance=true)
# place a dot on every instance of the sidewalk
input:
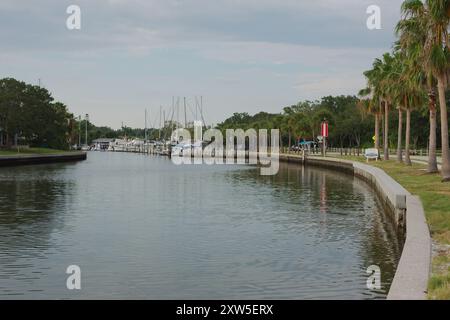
(424, 160)
(415, 159)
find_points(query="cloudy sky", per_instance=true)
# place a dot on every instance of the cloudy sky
(240, 55)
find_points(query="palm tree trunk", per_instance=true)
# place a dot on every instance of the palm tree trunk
(382, 129)
(432, 159)
(445, 171)
(377, 132)
(289, 140)
(386, 130)
(408, 137)
(400, 134)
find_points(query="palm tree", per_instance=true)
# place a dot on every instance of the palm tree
(378, 78)
(429, 21)
(406, 79)
(413, 36)
(388, 88)
(399, 95)
(413, 79)
(370, 104)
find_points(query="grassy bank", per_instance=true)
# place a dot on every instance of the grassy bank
(435, 197)
(30, 151)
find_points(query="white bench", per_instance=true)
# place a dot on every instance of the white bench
(371, 154)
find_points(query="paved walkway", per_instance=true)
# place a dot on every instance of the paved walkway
(424, 160)
(416, 159)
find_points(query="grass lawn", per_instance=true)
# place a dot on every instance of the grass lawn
(435, 197)
(29, 151)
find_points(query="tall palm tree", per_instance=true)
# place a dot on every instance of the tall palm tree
(424, 26)
(378, 78)
(413, 79)
(399, 94)
(439, 61)
(388, 89)
(406, 84)
(370, 104)
(412, 32)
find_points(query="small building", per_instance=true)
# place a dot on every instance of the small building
(102, 143)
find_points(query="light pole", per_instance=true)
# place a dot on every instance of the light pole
(87, 120)
(79, 131)
(145, 131)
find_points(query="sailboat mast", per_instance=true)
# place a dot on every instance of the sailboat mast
(178, 112)
(145, 131)
(185, 116)
(160, 111)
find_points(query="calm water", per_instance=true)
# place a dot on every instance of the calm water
(142, 228)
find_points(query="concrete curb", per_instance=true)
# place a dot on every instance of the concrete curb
(413, 271)
(8, 161)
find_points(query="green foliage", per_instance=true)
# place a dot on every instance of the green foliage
(29, 113)
(349, 126)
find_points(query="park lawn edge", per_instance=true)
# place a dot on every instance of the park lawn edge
(31, 151)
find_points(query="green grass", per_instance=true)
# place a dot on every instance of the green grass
(435, 196)
(29, 151)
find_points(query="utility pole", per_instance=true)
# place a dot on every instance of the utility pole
(160, 126)
(87, 120)
(145, 131)
(79, 131)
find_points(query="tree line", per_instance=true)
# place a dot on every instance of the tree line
(29, 115)
(351, 124)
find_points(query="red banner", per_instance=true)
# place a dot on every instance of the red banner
(324, 130)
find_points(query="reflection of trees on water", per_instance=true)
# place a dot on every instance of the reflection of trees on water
(340, 206)
(32, 202)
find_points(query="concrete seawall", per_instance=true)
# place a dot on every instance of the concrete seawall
(411, 278)
(27, 159)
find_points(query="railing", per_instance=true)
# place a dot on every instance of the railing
(358, 151)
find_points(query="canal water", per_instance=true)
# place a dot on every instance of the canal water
(140, 227)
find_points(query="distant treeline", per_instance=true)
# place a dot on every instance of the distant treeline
(29, 115)
(350, 124)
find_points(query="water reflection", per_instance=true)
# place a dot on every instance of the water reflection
(343, 217)
(32, 205)
(140, 227)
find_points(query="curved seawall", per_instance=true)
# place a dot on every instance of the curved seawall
(413, 271)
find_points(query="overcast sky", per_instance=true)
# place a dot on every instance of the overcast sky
(240, 55)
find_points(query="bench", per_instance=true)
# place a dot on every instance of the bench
(371, 154)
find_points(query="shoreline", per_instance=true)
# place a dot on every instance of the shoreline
(30, 159)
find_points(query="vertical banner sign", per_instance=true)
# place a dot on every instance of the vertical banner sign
(324, 131)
